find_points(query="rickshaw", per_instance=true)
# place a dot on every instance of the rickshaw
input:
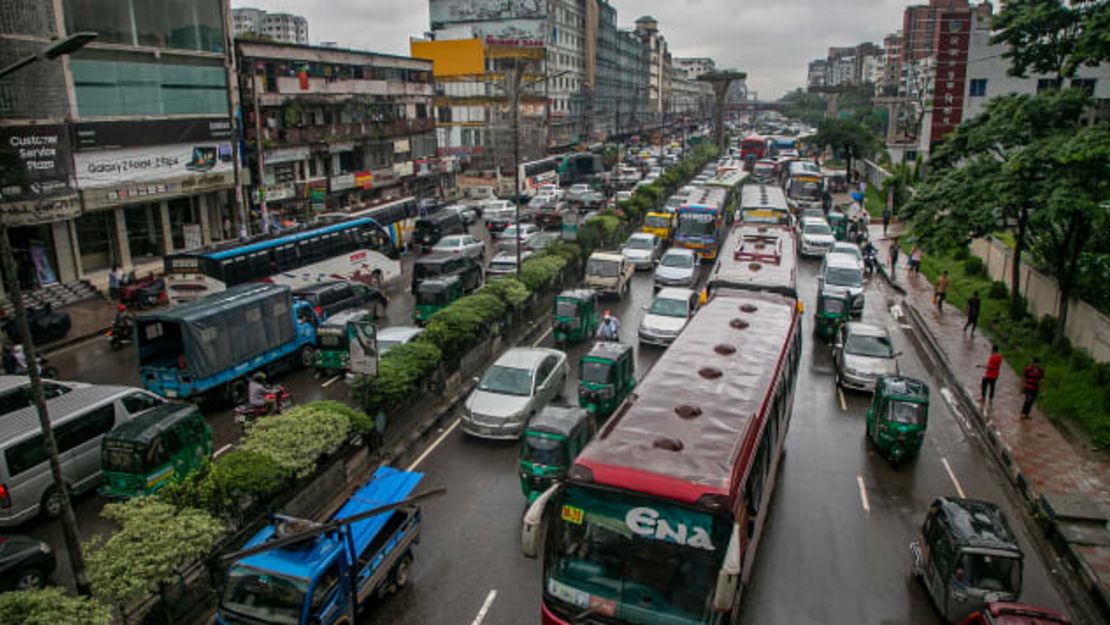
(838, 221)
(333, 342)
(898, 416)
(575, 316)
(606, 375)
(551, 442)
(161, 446)
(434, 295)
(833, 307)
(967, 556)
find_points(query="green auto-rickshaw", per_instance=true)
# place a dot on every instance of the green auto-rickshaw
(551, 442)
(160, 446)
(833, 307)
(333, 342)
(898, 416)
(838, 222)
(434, 295)
(575, 316)
(606, 375)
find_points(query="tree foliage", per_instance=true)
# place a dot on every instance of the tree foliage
(808, 107)
(51, 606)
(155, 541)
(849, 138)
(507, 289)
(1053, 37)
(224, 485)
(400, 373)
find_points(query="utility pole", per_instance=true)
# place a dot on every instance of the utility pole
(231, 68)
(720, 82)
(263, 214)
(512, 85)
(70, 531)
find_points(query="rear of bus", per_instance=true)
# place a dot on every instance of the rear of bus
(187, 278)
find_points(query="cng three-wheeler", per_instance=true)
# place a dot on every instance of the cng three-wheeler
(575, 316)
(898, 416)
(606, 375)
(434, 295)
(333, 340)
(161, 446)
(838, 222)
(833, 308)
(551, 442)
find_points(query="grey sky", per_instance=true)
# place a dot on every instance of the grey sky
(772, 40)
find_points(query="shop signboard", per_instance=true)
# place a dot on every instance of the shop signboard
(400, 146)
(341, 182)
(192, 235)
(103, 168)
(364, 179)
(35, 162)
(280, 191)
(317, 192)
(446, 11)
(286, 155)
(129, 134)
(402, 169)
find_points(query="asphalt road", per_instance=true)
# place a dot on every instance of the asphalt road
(836, 550)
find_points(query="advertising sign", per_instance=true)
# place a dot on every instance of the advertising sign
(101, 135)
(34, 162)
(363, 341)
(485, 10)
(104, 168)
(192, 235)
(521, 33)
(342, 181)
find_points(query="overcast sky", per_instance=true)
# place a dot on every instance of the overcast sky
(772, 40)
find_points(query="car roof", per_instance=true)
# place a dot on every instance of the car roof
(813, 220)
(641, 235)
(674, 292)
(679, 251)
(841, 259)
(841, 245)
(17, 424)
(866, 329)
(318, 287)
(525, 357)
(149, 423)
(12, 382)
(453, 237)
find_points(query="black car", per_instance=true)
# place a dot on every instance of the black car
(430, 229)
(442, 264)
(334, 296)
(25, 562)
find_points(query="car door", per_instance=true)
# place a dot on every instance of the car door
(473, 247)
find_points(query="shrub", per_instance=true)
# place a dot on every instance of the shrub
(507, 289)
(51, 606)
(1102, 374)
(998, 290)
(220, 486)
(1081, 360)
(541, 271)
(974, 267)
(458, 327)
(155, 540)
(297, 438)
(1046, 328)
(400, 372)
(962, 253)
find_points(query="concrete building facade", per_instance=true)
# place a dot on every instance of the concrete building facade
(279, 27)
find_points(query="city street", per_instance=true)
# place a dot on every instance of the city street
(836, 547)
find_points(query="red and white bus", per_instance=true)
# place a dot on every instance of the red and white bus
(753, 148)
(660, 516)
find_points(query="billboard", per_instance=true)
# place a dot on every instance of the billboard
(452, 57)
(447, 11)
(35, 162)
(105, 168)
(102, 135)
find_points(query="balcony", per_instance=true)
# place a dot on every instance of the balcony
(332, 133)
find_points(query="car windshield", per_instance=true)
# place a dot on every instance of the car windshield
(121, 455)
(603, 268)
(639, 243)
(844, 276)
(907, 413)
(668, 307)
(697, 224)
(263, 596)
(682, 261)
(816, 228)
(989, 572)
(507, 381)
(597, 372)
(566, 308)
(543, 450)
(656, 221)
(870, 346)
(613, 552)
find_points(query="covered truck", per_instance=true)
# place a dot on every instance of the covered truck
(215, 343)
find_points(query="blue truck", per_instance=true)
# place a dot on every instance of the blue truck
(321, 577)
(213, 345)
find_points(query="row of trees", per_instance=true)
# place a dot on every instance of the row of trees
(1034, 164)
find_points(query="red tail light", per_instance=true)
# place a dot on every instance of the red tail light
(319, 312)
(181, 363)
(5, 498)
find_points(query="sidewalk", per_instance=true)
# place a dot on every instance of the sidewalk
(1065, 482)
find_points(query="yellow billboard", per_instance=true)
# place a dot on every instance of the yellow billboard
(454, 57)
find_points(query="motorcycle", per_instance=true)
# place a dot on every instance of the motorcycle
(870, 262)
(120, 336)
(278, 400)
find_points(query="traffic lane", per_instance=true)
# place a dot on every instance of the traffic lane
(842, 517)
(470, 542)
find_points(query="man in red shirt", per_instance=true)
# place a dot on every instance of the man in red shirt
(1034, 373)
(990, 377)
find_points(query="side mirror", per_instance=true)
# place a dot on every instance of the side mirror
(476, 380)
(531, 528)
(728, 577)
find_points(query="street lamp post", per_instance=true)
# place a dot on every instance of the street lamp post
(72, 536)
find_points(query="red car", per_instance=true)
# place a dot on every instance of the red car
(1015, 614)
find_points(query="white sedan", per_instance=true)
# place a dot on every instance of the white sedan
(462, 244)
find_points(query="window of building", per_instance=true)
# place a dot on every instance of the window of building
(1086, 84)
(182, 24)
(112, 87)
(977, 88)
(95, 231)
(1047, 84)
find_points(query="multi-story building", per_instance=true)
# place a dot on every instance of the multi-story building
(648, 29)
(126, 148)
(817, 73)
(328, 128)
(634, 79)
(892, 62)
(279, 27)
(606, 67)
(695, 66)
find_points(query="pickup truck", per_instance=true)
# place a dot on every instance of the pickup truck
(214, 344)
(323, 578)
(609, 272)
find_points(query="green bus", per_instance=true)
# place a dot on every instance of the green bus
(161, 446)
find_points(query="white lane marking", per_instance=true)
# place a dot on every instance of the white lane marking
(952, 476)
(843, 403)
(863, 494)
(542, 337)
(485, 608)
(330, 382)
(432, 447)
(221, 450)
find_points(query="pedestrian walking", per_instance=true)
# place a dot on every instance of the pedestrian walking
(1034, 373)
(863, 187)
(915, 259)
(894, 251)
(886, 219)
(990, 376)
(114, 277)
(973, 306)
(941, 292)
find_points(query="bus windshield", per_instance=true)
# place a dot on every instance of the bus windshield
(697, 224)
(805, 189)
(264, 596)
(616, 552)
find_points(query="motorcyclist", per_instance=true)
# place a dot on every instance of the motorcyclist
(122, 323)
(870, 254)
(258, 394)
(610, 328)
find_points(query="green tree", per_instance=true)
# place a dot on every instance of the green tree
(51, 606)
(849, 138)
(808, 107)
(1053, 37)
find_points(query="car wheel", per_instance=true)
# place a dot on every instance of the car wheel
(51, 505)
(30, 579)
(401, 573)
(308, 356)
(237, 392)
